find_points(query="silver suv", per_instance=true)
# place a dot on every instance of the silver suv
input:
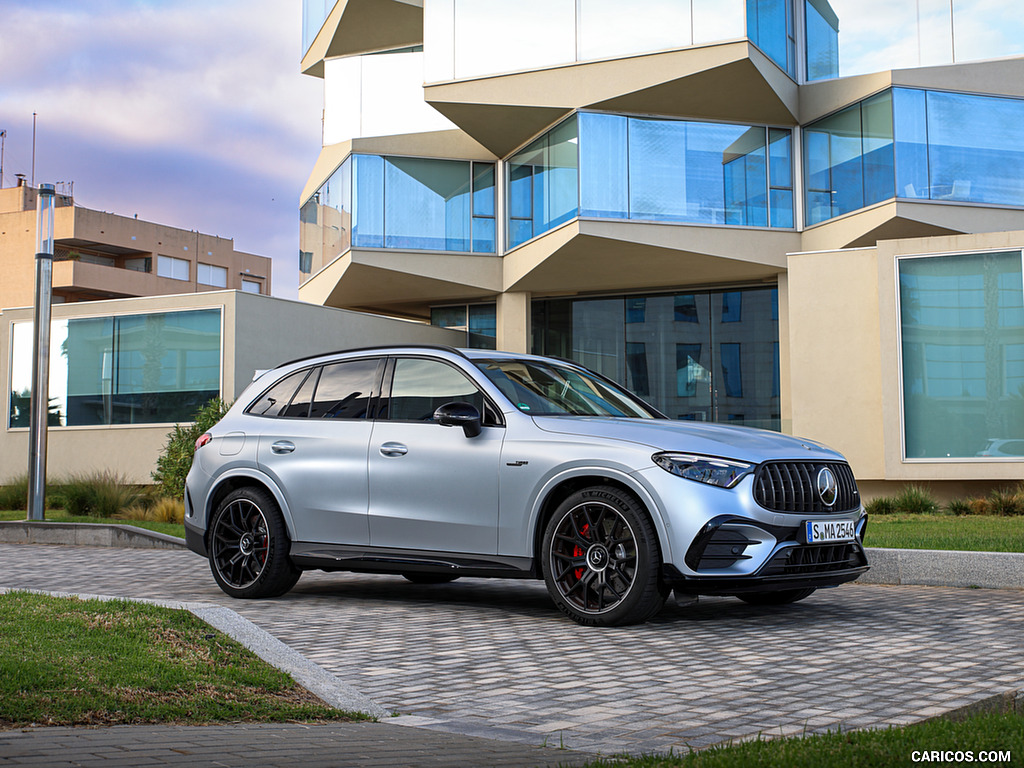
(436, 463)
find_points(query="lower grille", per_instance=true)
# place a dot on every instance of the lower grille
(817, 558)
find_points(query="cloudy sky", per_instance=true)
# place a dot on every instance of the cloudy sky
(190, 113)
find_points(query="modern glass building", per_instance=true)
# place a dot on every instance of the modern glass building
(801, 215)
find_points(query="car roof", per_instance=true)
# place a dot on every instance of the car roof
(469, 354)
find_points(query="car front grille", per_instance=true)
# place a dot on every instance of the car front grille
(815, 558)
(791, 486)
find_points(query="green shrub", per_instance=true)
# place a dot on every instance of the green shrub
(915, 500)
(99, 494)
(14, 493)
(1007, 503)
(883, 505)
(176, 458)
(912, 500)
(959, 507)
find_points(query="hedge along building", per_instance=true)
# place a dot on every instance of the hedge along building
(791, 214)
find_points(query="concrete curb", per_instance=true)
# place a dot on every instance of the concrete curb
(85, 535)
(921, 567)
(306, 673)
(938, 568)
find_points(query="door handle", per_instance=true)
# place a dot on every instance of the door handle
(282, 446)
(393, 449)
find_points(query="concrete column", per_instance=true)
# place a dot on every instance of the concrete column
(513, 317)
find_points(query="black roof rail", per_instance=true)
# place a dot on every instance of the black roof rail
(380, 348)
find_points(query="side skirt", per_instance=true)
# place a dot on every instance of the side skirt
(364, 559)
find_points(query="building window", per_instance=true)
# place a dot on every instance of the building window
(408, 203)
(251, 286)
(691, 172)
(169, 266)
(155, 368)
(479, 321)
(694, 356)
(962, 345)
(770, 28)
(848, 159)
(210, 274)
(822, 36)
(543, 184)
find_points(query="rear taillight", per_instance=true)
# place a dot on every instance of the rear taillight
(203, 440)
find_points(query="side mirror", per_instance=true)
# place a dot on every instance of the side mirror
(460, 415)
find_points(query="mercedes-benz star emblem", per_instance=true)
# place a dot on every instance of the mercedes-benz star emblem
(828, 487)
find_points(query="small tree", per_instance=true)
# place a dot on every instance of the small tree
(176, 459)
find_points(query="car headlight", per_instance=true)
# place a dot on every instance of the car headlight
(712, 470)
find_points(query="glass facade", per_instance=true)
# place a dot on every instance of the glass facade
(711, 356)
(459, 39)
(479, 321)
(962, 344)
(314, 14)
(410, 203)
(543, 183)
(917, 145)
(693, 172)
(847, 37)
(154, 368)
(770, 27)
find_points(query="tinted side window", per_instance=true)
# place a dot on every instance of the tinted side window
(278, 396)
(345, 390)
(299, 406)
(419, 387)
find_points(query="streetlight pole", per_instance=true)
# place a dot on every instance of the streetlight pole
(3, 139)
(40, 401)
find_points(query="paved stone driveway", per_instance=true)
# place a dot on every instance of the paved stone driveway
(494, 658)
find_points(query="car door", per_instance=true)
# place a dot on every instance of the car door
(315, 450)
(432, 487)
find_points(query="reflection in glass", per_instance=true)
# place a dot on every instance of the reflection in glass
(770, 28)
(543, 187)
(694, 356)
(674, 170)
(962, 333)
(129, 369)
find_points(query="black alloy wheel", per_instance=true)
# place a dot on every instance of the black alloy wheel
(249, 546)
(601, 559)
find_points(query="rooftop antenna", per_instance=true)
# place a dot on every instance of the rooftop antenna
(33, 149)
(3, 138)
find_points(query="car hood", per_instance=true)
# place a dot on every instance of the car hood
(742, 443)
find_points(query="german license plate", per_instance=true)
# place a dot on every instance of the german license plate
(826, 531)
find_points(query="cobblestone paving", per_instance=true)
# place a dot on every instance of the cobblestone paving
(495, 658)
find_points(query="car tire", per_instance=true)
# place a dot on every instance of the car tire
(782, 597)
(249, 544)
(429, 578)
(601, 560)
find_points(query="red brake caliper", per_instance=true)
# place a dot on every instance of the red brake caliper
(577, 551)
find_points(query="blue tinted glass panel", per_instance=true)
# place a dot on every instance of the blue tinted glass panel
(732, 306)
(637, 378)
(544, 182)
(483, 189)
(427, 204)
(483, 326)
(770, 28)
(911, 147)
(368, 201)
(519, 231)
(976, 148)
(688, 369)
(962, 328)
(657, 169)
(782, 208)
(780, 157)
(685, 309)
(876, 123)
(603, 166)
(636, 309)
(822, 40)
(483, 235)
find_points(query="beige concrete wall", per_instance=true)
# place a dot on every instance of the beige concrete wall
(835, 371)
(258, 332)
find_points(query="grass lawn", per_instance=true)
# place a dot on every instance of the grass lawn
(59, 516)
(65, 661)
(1000, 733)
(971, 533)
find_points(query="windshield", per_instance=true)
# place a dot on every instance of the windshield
(540, 388)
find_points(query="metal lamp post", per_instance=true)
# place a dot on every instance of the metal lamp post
(39, 404)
